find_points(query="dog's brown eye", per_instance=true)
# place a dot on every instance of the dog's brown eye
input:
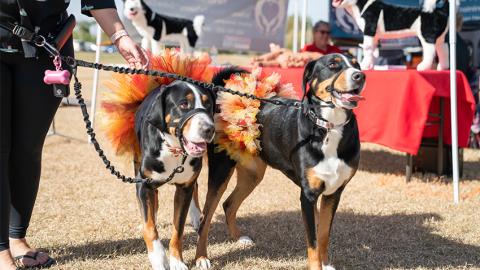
(183, 105)
(333, 65)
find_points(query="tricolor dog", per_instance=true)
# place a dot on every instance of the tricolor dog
(317, 148)
(156, 28)
(173, 125)
(379, 20)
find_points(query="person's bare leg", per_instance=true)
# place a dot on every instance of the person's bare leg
(6, 260)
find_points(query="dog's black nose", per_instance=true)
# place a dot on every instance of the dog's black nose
(207, 131)
(132, 9)
(358, 76)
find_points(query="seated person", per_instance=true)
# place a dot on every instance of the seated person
(285, 58)
(321, 40)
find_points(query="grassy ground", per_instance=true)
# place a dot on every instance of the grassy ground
(88, 220)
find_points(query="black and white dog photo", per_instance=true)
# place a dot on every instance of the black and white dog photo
(157, 28)
(380, 20)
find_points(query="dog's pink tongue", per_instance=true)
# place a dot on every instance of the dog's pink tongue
(195, 148)
(350, 97)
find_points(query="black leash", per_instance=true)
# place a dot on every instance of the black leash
(74, 63)
(39, 41)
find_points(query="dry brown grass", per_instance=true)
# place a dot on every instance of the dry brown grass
(88, 220)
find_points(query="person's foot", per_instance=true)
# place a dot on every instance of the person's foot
(6, 260)
(27, 256)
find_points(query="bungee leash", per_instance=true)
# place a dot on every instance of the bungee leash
(60, 80)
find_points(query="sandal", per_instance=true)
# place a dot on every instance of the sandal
(21, 265)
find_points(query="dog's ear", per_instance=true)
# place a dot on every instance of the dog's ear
(156, 115)
(307, 76)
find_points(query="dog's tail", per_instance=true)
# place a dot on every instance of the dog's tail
(220, 77)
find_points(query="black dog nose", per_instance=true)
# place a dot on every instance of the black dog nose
(132, 9)
(358, 76)
(208, 131)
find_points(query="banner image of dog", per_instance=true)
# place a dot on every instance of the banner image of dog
(156, 29)
(380, 20)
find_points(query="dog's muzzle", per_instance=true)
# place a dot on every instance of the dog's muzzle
(195, 149)
(351, 98)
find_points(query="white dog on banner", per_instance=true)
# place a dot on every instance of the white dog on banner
(379, 20)
(156, 28)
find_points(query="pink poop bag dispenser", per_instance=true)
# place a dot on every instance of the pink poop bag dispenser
(57, 77)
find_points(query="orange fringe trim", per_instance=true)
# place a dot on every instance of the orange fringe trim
(237, 130)
(126, 93)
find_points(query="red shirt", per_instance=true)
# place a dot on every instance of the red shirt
(312, 48)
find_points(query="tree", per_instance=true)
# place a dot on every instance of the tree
(82, 31)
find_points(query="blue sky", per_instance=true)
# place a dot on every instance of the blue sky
(317, 9)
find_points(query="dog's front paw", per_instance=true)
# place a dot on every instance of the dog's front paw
(158, 258)
(203, 263)
(327, 267)
(245, 241)
(176, 264)
(366, 64)
(442, 67)
(424, 66)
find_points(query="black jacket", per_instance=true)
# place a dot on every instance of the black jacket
(46, 15)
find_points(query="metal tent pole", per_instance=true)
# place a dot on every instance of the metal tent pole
(304, 23)
(95, 78)
(453, 98)
(295, 26)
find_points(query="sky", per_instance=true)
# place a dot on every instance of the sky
(316, 9)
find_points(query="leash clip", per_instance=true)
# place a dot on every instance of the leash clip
(42, 42)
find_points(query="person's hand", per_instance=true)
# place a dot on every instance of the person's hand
(132, 52)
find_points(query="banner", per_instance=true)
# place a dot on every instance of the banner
(246, 25)
(470, 10)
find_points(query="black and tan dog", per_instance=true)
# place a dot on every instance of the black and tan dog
(173, 122)
(318, 149)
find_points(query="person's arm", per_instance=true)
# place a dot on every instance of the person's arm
(110, 22)
(106, 15)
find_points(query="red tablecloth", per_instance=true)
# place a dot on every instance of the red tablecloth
(397, 104)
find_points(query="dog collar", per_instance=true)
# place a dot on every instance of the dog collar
(321, 122)
(176, 151)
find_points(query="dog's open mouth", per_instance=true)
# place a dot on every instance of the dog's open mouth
(351, 97)
(194, 148)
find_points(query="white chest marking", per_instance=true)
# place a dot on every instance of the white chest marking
(171, 161)
(332, 170)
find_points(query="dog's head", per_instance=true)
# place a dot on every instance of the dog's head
(335, 77)
(343, 3)
(198, 23)
(185, 111)
(133, 8)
